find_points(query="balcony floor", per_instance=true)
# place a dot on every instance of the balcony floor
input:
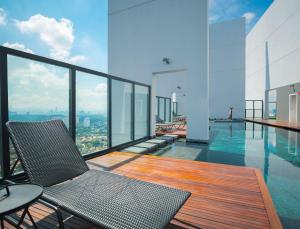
(277, 123)
(223, 196)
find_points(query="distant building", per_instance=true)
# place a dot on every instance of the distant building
(86, 122)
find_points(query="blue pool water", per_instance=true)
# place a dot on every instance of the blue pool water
(275, 151)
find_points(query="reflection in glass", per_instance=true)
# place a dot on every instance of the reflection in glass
(91, 113)
(272, 109)
(141, 111)
(249, 105)
(121, 112)
(36, 92)
(161, 109)
(168, 110)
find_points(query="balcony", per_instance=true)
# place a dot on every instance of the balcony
(106, 113)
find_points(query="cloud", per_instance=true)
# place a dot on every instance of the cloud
(17, 46)
(249, 16)
(92, 98)
(220, 10)
(3, 20)
(37, 88)
(77, 59)
(57, 34)
(213, 18)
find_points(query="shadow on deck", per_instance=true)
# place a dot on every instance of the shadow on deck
(223, 196)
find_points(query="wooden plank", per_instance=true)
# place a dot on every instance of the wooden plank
(273, 217)
(223, 196)
(276, 123)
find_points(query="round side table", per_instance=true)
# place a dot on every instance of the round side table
(21, 196)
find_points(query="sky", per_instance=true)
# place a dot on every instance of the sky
(70, 30)
(75, 31)
(252, 10)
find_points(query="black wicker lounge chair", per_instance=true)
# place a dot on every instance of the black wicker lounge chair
(51, 159)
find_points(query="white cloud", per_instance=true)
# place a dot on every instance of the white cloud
(36, 87)
(249, 16)
(77, 59)
(3, 20)
(93, 99)
(57, 34)
(17, 46)
(213, 18)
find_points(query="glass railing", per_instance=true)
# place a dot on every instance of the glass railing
(254, 109)
(101, 111)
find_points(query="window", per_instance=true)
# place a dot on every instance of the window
(161, 109)
(91, 113)
(36, 92)
(272, 104)
(121, 100)
(164, 109)
(141, 111)
(175, 108)
(168, 110)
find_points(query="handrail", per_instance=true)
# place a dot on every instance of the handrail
(73, 69)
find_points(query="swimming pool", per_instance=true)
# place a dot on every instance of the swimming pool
(275, 151)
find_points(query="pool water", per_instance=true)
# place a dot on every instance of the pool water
(275, 151)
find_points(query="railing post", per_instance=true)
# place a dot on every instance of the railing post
(253, 115)
(5, 158)
(133, 112)
(149, 111)
(109, 108)
(72, 102)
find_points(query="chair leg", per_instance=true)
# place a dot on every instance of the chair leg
(31, 219)
(60, 218)
(2, 222)
(57, 211)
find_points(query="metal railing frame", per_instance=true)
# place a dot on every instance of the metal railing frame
(4, 112)
(165, 107)
(253, 108)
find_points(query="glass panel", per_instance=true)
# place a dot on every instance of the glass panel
(258, 105)
(249, 113)
(249, 104)
(273, 96)
(156, 107)
(91, 113)
(161, 105)
(141, 111)
(168, 110)
(121, 112)
(174, 108)
(258, 114)
(272, 110)
(36, 92)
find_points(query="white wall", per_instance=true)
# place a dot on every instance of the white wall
(273, 49)
(141, 33)
(227, 68)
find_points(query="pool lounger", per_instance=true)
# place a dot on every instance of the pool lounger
(133, 149)
(149, 146)
(159, 142)
(171, 135)
(167, 138)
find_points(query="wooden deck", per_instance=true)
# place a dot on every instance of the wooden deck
(277, 123)
(222, 197)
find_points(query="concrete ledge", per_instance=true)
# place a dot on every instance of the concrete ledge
(199, 141)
